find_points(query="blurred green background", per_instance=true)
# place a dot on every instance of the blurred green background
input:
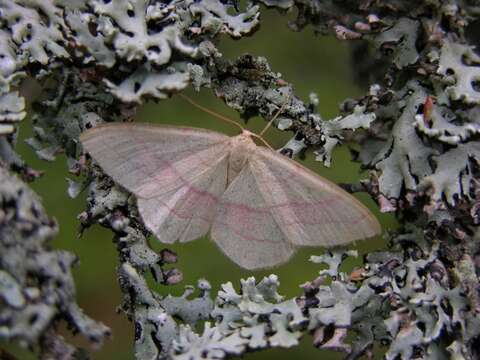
(310, 63)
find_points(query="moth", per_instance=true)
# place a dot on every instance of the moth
(257, 204)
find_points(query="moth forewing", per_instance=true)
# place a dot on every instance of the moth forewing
(319, 212)
(187, 212)
(135, 155)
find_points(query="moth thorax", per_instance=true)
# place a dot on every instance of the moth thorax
(242, 147)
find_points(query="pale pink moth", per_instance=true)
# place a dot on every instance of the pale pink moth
(258, 205)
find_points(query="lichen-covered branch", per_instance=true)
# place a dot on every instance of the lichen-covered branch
(36, 284)
(417, 130)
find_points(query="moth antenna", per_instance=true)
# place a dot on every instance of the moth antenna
(263, 140)
(226, 119)
(276, 115)
(211, 112)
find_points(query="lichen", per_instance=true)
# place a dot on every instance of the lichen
(36, 283)
(12, 105)
(395, 300)
(402, 36)
(461, 161)
(333, 130)
(404, 158)
(417, 130)
(38, 38)
(255, 318)
(458, 63)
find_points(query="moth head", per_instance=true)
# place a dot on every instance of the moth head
(248, 134)
(244, 141)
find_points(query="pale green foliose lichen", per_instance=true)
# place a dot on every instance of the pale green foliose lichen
(417, 130)
(36, 283)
